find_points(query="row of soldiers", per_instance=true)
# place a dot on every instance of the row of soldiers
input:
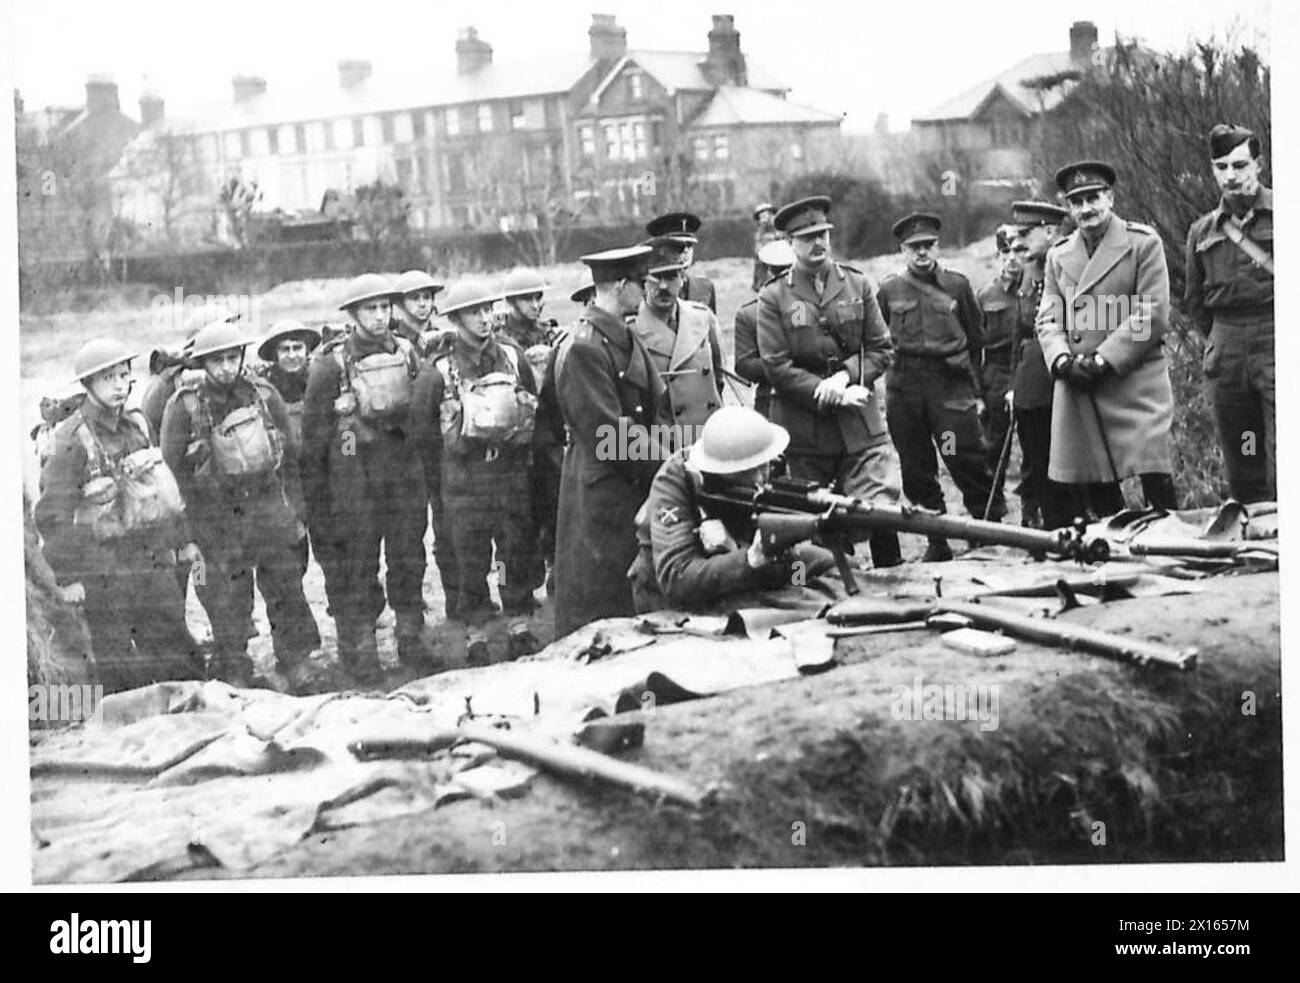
(502, 432)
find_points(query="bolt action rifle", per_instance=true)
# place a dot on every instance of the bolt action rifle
(792, 510)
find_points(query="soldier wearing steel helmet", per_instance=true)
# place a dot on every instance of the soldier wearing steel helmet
(693, 553)
(523, 293)
(474, 411)
(108, 553)
(774, 258)
(363, 481)
(166, 370)
(229, 441)
(414, 309)
(825, 348)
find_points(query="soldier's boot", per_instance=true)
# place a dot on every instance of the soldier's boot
(476, 646)
(234, 668)
(885, 550)
(412, 650)
(521, 637)
(1030, 516)
(309, 673)
(937, 550)
(358, 654)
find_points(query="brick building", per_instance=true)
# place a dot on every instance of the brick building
(610, 132)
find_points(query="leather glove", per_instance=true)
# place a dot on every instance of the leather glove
(1078, 371)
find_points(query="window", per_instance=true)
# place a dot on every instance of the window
(656, 141)
(720, 149)
(358, 132)
(300, 137)
(701, 148)
(388, 129)
(417, 126)
(405, 173)
(453, 121)
(485, 118)
(421, 166)
(263, 142)
(518, 120)
(611, 141)
(327, 132)
(638, 140)
(587, 134)
(634, 85)
(455, 173)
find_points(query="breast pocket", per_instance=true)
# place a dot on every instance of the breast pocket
(905, 321)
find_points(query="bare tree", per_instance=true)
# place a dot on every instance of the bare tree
(238, 198)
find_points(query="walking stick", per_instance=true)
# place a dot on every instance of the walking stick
(1003, 460)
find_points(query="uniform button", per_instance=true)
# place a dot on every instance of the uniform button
(638, 409)
(705, 371)
(622, 374)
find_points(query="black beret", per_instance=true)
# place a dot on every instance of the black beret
(804, 217)
(917, 226)
(1084, 175)
(1226, 137)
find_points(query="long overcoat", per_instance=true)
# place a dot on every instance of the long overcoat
(1115, 303)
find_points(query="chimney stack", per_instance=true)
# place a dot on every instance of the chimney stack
(353, 71)
(1083, 39)
(608, 40)
(151, 107)
(472, 53)
(248, 87)
(726, 65)
(101, 95)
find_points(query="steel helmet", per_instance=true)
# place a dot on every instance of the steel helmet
(467, 293)
(737, 438)
(413, 280)
(219, 337)
(585, 292)
(761, 207)
(523, 282)
(776, 255)
(368, 286)
(209, 313)
(281, 330)
(98, 355)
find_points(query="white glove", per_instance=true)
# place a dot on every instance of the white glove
(755, 556)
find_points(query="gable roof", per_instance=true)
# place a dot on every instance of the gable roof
(732, 105)
(1011, 83)
(681, 70)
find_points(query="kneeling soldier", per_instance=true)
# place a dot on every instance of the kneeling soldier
(111, 518)
(363, 482)
(692, 554)
(228, 439)
(474, 410)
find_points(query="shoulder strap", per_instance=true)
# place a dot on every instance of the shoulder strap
(200, 411)
(96, 459)
(1256, 253)
(512, 356)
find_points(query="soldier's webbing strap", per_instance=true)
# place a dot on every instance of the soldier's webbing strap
(201, 424)
(1253, 250)
(98, 462)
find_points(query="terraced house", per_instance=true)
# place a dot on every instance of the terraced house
(607, 133)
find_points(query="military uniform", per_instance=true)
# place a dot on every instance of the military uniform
(699, 290)
(936, 327)
(247, 528)
(364, 487)
(673, 569)
(1033, 386)
(806, 335)
(1080, 314)
(687, 355)
(999, 305)
(524, 333)
(1231, 299)
(749, 364)
(485, 490)
(133, 606)
(603, 376)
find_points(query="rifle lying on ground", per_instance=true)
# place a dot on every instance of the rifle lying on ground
(791, 510)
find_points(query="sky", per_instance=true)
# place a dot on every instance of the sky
(858, 58)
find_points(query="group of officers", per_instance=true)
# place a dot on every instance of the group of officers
(525, 442)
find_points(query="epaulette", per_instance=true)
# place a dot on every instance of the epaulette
(960, 277)
(847, 267)
(1139, 227)
(752, 300)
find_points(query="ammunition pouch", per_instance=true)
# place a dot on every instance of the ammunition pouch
(243, 446)
(382, 386)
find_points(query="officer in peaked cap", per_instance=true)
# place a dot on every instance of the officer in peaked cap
(683, 226)
(773, 259)
(1101, 324)
(682, 339)
(609, 394)
(825, 348)
(1030, 397)
(934, 382)
(1229, 291)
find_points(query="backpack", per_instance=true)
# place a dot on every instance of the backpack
(245, 445)
(493, 409)
(380, 384)
(135, 493)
